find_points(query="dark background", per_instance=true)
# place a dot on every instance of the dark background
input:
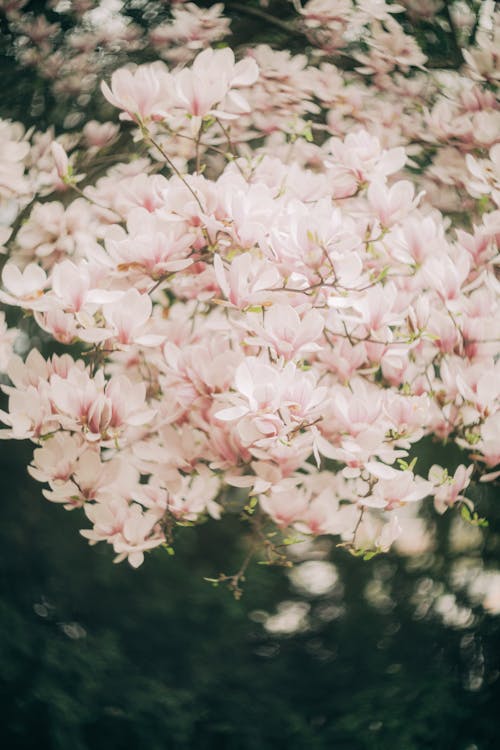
(95, 655)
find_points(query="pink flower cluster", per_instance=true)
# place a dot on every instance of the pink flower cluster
(281, 312)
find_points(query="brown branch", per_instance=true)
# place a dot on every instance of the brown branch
(258, 13)
(149, 138)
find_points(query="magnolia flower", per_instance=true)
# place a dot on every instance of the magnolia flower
(61, 160)
(402, 488)
(143, 95)
(7, 339)
(99, 134)
(391, 204)
(280, 302)
(126, 526)
(486, 175)
(286, 505)
(87, 405)
(448, 489)
(211, 79)
(248, 281)
(361, 154)
(24, 288)
(55, 461)
(285, 332)
(127, 319)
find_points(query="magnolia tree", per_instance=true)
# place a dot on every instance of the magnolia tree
(283, 285)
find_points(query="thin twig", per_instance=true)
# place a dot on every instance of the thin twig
(149, 137)
(258, 13)
(358, 524)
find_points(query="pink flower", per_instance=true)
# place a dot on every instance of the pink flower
(139, 533)
(143, 95)
(126, 526)
(61, 160)
(99, 134)
(29, 414)
(398, 491)
(486, 174)
(286, 333)
(71, 283)
(448, 489)
(209, 81)
(99, 411)
(286, 504)
(487, 449)
(62, 326)
(152, 247)
(25, 288)
(361, 155)
(390, 205)
(127, 319)
(248, 281)
(55, 461)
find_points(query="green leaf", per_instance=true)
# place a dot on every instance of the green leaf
(465, 513)
(473, 518)
(291, 540)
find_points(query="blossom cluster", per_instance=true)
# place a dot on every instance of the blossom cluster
(258, 305)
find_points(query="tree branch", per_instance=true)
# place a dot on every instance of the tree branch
(258, 13)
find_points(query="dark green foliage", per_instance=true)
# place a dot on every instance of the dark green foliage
(31, 99)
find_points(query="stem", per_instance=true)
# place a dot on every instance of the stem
(197, 147)
(17, 224)
(348, 335)
(358, 524)
(159, 283)
(231, 148)
(258, 13)
(234, 580)
(149, 137)
(94, 203)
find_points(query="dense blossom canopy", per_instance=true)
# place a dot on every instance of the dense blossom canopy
(282, 287)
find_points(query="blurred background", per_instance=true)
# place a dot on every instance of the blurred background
(401, 651)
